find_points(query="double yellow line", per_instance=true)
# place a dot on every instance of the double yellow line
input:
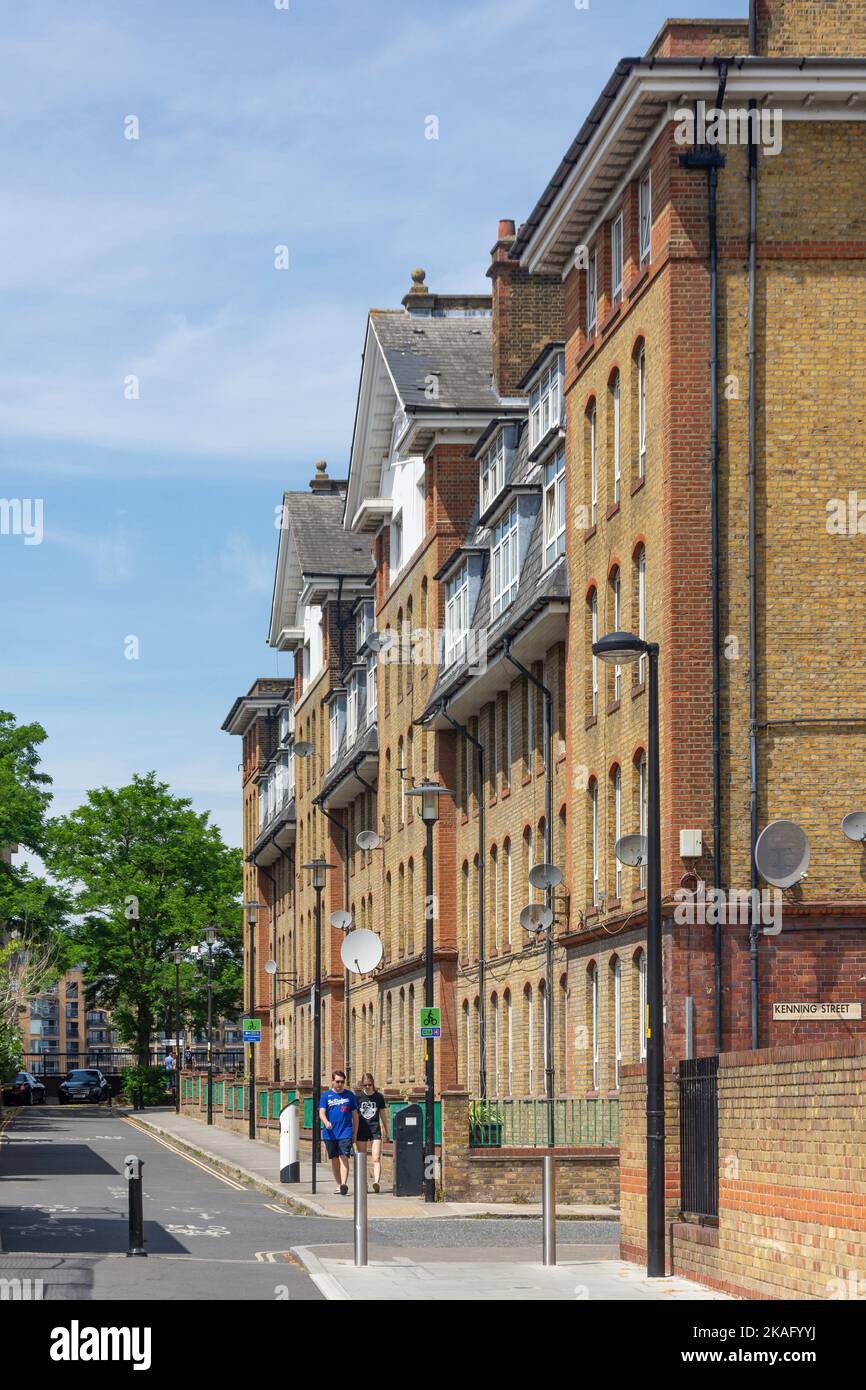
(181, 1153)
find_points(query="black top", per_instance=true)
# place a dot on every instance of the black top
(370, 1106)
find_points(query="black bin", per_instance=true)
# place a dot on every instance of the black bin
(409, 1151)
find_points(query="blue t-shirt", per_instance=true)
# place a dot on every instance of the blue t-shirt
(338, 1107)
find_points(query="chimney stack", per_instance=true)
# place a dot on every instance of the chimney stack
(528, 313)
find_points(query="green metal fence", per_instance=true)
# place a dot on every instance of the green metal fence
(522, 1123)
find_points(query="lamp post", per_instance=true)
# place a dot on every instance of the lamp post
(177, 957)
(319, 870)
(620, 648)
(209, 936)
(252, 908)
(429, 794)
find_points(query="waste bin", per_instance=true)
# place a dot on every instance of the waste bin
(409, 1152)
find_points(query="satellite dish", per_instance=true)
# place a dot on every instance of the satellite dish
(361, 951)
(341, 919)
(302, 749)
(545, 876)
(535, 917)
(854, 825)
(379, 641)
(782, 853)
(368, 839)
(270, 967)
(632, 849)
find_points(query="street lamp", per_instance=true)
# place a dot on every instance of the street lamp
(428, 794)
(177, 957)
(319, 870)
(210, 937)
(619, 649)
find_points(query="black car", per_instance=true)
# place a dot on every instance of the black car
(24, 1089)
(88, 1084)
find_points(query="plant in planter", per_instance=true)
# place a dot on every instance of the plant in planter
(485, 1124)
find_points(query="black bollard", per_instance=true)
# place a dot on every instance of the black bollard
(132, 1167)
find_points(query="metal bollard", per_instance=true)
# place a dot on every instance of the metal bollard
(132, 1167)
(290, 1164)
(360, 1209)
(548, 1208)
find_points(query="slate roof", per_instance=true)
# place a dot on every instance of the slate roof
(365, 745)
(458, 350)
(537, 584)
(322, 544)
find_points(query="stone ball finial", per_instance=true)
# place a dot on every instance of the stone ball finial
(321, 467)
(418, 286)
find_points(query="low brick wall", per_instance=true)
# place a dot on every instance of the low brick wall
(589, 1176)
(792, 1175)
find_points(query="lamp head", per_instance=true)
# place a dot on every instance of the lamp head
(620, 648)
(429, 793)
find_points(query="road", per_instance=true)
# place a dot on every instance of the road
(63, 1219)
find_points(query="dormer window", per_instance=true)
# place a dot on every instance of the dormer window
(503, 562)
(363, 624)
(492, 472)
(287, 723)
(545, 403)
(352, 711)
(554, 507)
(456, 614)
(338, 724)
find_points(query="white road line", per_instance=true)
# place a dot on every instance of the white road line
(229, 1182)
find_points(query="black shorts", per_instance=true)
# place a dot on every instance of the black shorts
(335, 1147)
(367, 1132)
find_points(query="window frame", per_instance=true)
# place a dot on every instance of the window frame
(641, 411)
(592, 293)
(456, 606)
(491, 477)
(645, 217)
(554, 507)
(504, 547)
(617, 252)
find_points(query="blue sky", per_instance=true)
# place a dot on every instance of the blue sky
(154, 258)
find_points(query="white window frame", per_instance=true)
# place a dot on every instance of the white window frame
(641, 1001)
(504, 571)
(616, 259)
(641, 611)
(596, 857)
(372, 697)
(593, 628)
(641, 411)
(509, 1038)
(467, 1009)
(592, 293)
(596, 1057)
(492, 474)
(642, 810)
(494, 854)
(617, 826)
(396, 536)
(617, 1021)
(645, 217)
(545, 402)
(334, 722)
(496, 1044)
(457, 614)
(530, 1040)
(617, 627)
(352, 711)
(508, 748)
(508, 885)
(593, 465)
(617, 451)
(554, 508)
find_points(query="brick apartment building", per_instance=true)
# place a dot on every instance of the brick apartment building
(594, 446)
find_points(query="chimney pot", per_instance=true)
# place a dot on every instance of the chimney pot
(506, 229)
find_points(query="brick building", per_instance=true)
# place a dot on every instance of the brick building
(595, 446)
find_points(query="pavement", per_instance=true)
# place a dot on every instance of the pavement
(488, 1275)
(256, 1162)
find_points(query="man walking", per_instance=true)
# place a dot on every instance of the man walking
(338, 1112)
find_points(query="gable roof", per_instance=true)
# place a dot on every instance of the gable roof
(313, 544)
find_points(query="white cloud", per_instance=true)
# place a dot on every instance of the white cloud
(253, 567)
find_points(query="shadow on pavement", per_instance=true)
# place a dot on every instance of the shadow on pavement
(88, 1230)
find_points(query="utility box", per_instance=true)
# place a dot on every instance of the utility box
(691, 844)
(409, 1152)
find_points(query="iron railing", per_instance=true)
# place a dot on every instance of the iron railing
(113, 1059)
(699, 1136)
(522, 1122)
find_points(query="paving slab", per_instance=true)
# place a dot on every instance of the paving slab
(487, 1276)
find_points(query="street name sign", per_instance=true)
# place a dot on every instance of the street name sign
(806, 1010)
(431, 1032)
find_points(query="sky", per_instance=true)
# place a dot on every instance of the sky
(163, 378)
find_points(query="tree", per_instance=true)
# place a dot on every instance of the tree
(147, 874)
(27, 965)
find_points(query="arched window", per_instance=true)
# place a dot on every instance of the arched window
(640, 788)
(497, 1042)
(615, 598)
(401, 911)
(617, 1020)
(509, 1043)
(411, 921)
(466, 914)
(592, 840)
(387, 918)
(413, 1032)
(529, 1013)
(594, 1026)
(640, 962)
(494, 895)
(401, 773)
(591, 458)
(639, 608)
(639, 429)
(506, 850)
(467, 1046)
(614, 440)
(616, 827)
(592, 636)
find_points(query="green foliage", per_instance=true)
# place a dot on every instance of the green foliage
(10, 1051)
(26, 902)
(152, 1081)
(147, 874)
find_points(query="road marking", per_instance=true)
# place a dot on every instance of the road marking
(229, 1182)
(190, 1230)
(273, 1206)
(273, 1257)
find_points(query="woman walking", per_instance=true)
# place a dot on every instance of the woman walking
(372, 1123)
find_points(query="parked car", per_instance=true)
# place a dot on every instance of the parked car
(24, 1089)
(86, 1084)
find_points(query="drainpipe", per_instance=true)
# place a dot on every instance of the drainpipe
(344, 826)
(548, 851)
(482, 875)
(753, 550)
(709, 158)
